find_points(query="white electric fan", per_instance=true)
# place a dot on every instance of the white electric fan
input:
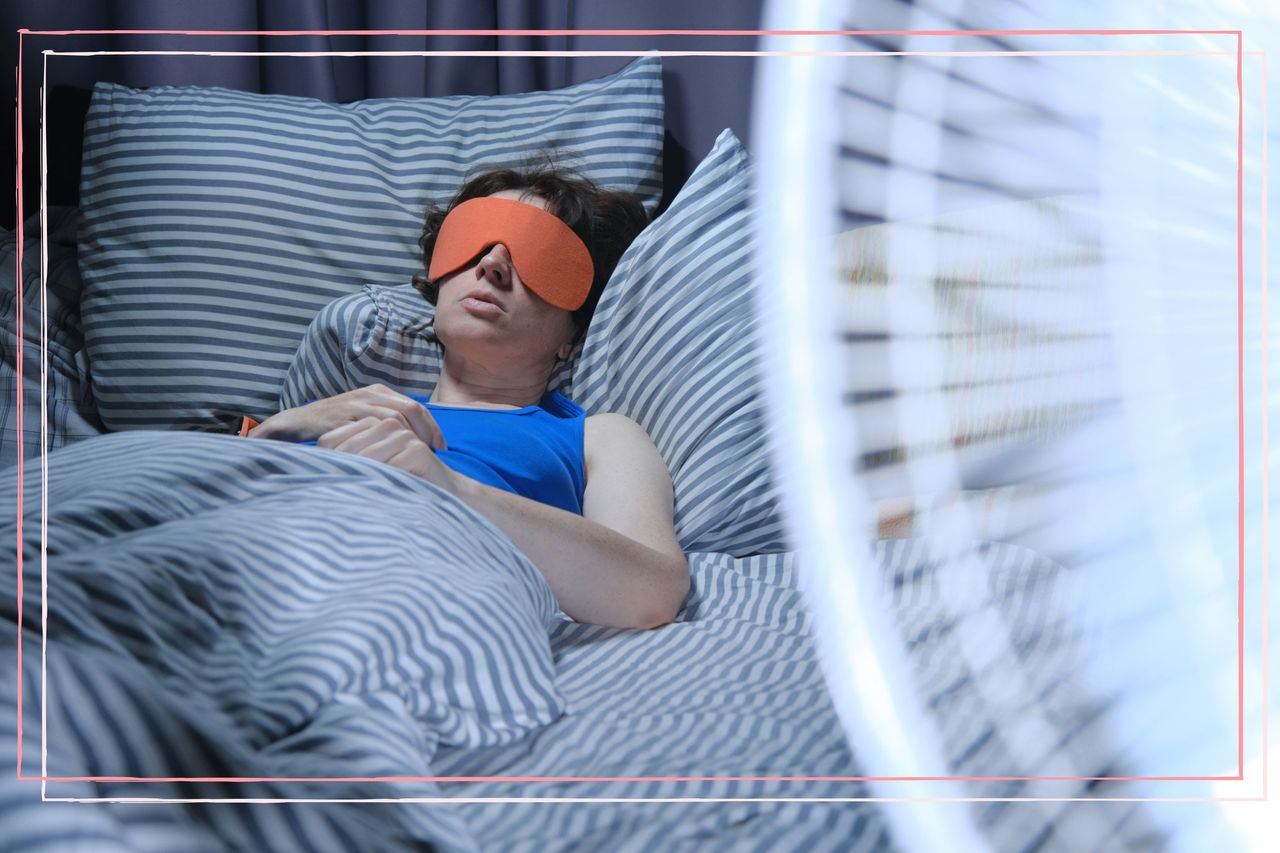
(1006, 304)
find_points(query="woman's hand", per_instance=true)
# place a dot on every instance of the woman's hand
(304, 423)
(389, 440)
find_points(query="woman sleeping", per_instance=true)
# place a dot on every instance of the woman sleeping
(516, 264)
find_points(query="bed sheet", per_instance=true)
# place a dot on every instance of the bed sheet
(221, 608)
(734, 689)
(72, 413)
(165, 549)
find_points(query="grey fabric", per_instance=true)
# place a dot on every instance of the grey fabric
(674, 345)
(379, 336)
(734, 689)
(220, 607)
(217, 223)
(210, 614)
(71, 413)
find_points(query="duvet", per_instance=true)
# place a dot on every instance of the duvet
(222, 608)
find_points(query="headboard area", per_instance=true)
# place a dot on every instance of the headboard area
(217, 45)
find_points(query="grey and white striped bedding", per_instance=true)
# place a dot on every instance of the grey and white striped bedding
(217, 223)
(677, 349)
(733, 689)
(224, 607)
(72, 414)
(229, 608)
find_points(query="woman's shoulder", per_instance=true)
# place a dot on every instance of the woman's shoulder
(605, 421)
(608, 419)
(611, 429)
(619, 449)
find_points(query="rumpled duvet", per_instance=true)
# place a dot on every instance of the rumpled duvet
(231, 608)
(225, 608)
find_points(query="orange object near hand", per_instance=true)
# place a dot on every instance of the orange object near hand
(550, 258)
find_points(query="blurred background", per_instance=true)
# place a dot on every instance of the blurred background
(1032, 328)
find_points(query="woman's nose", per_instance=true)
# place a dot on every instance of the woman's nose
(496, 265)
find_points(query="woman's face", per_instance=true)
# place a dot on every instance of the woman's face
(516, 324)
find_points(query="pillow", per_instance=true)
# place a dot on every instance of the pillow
(217, 223)
(674, 345)
(71, 414)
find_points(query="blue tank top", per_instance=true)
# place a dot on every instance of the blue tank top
(535, 452)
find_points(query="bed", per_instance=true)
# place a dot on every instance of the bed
(259, 621)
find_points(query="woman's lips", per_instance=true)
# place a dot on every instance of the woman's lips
(481, 308)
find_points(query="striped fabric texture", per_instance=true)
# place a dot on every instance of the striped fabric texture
(734, 689)
(71, 413)
(674, 345)
(217, 223)
(282, 596)
(230, 608)
(379, 336)
(283, 556)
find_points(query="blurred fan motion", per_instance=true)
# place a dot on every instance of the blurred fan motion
(1009, 307)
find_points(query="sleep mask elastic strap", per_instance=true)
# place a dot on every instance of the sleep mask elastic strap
(550, 258)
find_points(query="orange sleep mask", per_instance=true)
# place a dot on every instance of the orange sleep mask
(550, 258)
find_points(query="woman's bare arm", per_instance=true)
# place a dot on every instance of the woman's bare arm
(617, 564)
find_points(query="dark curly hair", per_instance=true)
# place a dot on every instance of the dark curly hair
(605, 220)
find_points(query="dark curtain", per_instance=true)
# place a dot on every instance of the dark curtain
(703, 94)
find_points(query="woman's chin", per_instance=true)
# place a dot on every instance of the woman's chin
(476, 339)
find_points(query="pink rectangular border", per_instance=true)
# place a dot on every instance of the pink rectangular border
(1239, 380)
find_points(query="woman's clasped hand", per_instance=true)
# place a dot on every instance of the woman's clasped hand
(378, 402)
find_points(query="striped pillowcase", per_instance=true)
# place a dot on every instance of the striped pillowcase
(218, 223)
(673, 345)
